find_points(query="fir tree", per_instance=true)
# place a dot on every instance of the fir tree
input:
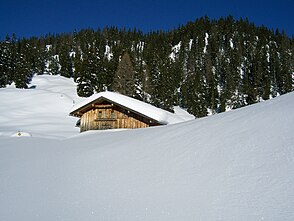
(22, 75)
(124, 81)
(85, 87)
(5, 62)
(54, 67)
(65, 61)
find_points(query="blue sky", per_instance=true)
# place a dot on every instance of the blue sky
(38, 17)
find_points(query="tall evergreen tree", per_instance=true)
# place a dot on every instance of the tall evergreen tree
(5, 62)
(22, 75)
(85, 87)
(65, 61)
(124, 81)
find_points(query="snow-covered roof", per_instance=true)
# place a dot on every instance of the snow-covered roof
(160, 115)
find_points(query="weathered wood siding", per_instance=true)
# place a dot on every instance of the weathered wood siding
(108, 116)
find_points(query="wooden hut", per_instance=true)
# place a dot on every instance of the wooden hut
(109, 110)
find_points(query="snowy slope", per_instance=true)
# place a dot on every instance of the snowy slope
(238, 165)
(42, 111)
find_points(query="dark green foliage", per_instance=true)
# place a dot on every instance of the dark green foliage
(21, 72)
(124, 80)
(65, 61)
(5, 62)
(14, 65)
(205, 66)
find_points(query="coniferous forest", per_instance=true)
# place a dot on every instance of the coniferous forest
(206, 66)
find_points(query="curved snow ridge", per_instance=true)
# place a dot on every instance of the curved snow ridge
(160, 115)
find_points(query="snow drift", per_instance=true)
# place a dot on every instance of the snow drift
(237, 165)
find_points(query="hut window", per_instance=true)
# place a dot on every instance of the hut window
(112, 114)
(100, 114)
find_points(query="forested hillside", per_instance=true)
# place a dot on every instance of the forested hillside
(206, 66)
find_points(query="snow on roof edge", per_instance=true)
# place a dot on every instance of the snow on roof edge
(160, 115)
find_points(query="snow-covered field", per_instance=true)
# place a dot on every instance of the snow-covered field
(237, 165)
(41, 112)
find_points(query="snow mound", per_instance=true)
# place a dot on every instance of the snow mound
(21, 134)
